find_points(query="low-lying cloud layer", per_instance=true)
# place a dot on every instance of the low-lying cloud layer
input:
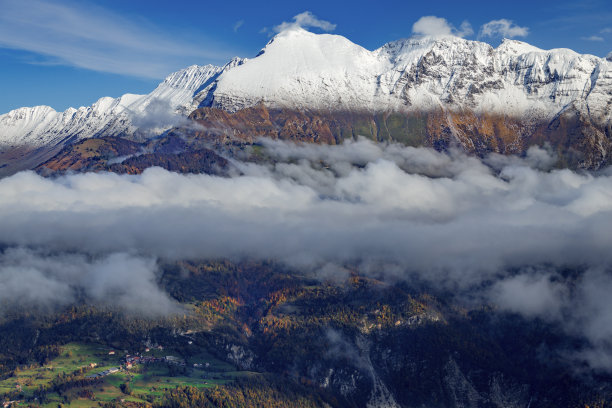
(501, 228)
(43, 281)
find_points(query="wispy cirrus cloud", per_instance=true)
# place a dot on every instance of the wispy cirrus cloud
(593, 38)
(503, 28)
(95, 38)
(237, 25)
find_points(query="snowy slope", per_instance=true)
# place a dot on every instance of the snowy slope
(305, 70)
(159, 110)
(299, 69)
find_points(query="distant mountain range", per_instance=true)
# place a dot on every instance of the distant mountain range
(500, 99)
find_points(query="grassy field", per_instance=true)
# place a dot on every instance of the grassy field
(73, 358)
(147, 382)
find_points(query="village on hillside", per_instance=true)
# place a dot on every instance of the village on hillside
(95, 372)
(129, 361)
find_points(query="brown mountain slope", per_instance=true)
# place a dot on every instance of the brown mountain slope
(125, 156)
(577, 141)
(90, 154)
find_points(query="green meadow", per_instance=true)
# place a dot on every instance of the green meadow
(143, 383)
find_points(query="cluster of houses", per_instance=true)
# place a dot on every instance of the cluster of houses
(131, 361)
(103, 373)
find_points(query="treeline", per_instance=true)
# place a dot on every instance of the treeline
(256, 392)
(59, 384)
(17, 350)
(35, 339)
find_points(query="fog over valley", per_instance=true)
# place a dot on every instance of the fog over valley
(506, 231)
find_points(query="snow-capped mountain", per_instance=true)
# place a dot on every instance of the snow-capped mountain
(305, 71)
(299, 69)
(157, 111)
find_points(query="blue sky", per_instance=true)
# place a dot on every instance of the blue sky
(69, 53)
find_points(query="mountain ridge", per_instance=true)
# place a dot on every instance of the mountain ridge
(31, 135)
(176, 90)
(301, 71)
(401, 70)
(416, 74)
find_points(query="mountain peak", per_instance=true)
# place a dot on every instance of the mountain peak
(234, 62)
(299, 37)
(190, 77)
(27, 110)
(517, 47)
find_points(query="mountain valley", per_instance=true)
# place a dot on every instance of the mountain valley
(425, 224)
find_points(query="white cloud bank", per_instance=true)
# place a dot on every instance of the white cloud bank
(92, 37)
(502, 228)
(43, 281)
(305, 20)
(437, 26)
